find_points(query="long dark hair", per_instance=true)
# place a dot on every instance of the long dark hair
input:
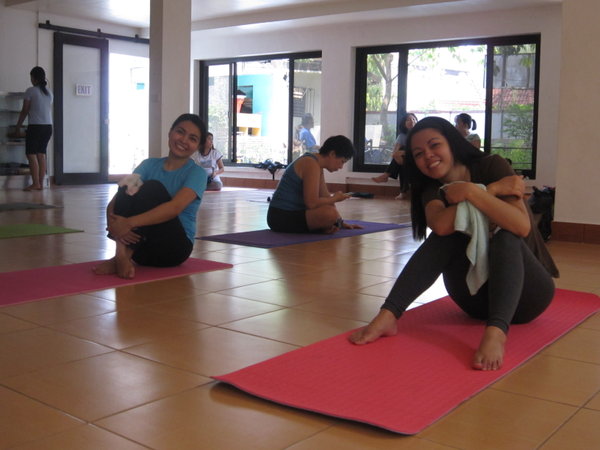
(462, 151)
(467, 120)
(38, 76)
(196, 120)
(403, 120)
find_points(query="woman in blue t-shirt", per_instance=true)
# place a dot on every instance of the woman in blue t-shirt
(152, 217)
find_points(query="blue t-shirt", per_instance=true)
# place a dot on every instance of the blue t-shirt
(190, 175)
(289, 194)
(306, 137)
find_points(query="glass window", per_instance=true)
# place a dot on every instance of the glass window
(255, 107)
(445, 79)
(306, 106)
(513, 104)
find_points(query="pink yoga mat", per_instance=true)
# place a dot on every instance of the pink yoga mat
(57, 281)
(405, 382)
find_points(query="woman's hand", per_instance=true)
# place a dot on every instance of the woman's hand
(351, 226)
(121, 230)
(340, 196)
(512, 185)
(398, 156)
(457, 192)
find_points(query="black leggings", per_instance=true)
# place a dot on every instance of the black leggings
(396, 170)
(162, 245)
(517, 291)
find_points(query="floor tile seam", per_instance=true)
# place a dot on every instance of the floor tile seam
(47, 405)
(48, 324)
(248, 317)
(329, 314)
(559, 428)
(71, 335)
(55, 365)
(536, 397)
(144, 404)
(164, 364)
(235, 286)
(263, 337)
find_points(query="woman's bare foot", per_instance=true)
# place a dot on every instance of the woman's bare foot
(121, 264)
(125, 267)
(107, 267)
(381, 178)
(32, 187)
(490, 354)
(384, 324)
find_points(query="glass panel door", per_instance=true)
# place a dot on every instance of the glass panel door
(262, 111)
(306, 111)
(381, 105)
(513, 101)
(220, 82)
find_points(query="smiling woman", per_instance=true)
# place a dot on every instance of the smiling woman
(507, 279)
(155, 223)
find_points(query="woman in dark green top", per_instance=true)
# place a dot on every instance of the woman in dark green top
(445, 171)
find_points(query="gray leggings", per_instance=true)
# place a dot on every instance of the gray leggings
(517, 291)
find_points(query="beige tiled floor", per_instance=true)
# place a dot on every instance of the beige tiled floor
(129, 367)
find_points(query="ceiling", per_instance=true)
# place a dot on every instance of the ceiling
(211, 14)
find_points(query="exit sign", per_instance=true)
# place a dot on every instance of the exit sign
(84, 90)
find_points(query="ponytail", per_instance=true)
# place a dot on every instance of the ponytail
(38, 75)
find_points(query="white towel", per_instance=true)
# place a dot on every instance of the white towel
(474, 223)
(133, 183)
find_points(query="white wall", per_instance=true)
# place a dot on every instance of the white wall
(24, 45)
(337, 42)
(578, 181)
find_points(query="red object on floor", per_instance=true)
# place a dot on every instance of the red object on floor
(58, 281)
(405, 382)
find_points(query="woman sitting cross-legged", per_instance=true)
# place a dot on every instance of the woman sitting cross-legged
(462, 193)
(152, 217)
(301, 203)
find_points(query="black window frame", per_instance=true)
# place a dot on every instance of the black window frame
(203, 71)
(361, 86)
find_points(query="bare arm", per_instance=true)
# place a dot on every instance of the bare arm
(24, 112)
(220, 167)
(120, 226)
(505, 210)
(315, 191)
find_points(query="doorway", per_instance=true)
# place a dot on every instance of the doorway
(80, 109)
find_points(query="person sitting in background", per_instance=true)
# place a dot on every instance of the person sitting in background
(301, 203)
(152, 217)
(395, 168)
(464, 123)
(211, 159)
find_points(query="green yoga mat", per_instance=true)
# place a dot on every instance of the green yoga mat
(22, 206)
(32, 229)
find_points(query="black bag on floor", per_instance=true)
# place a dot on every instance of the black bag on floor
(542, 202)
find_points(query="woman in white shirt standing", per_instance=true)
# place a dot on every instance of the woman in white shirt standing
(211, 160)
(37, 105)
